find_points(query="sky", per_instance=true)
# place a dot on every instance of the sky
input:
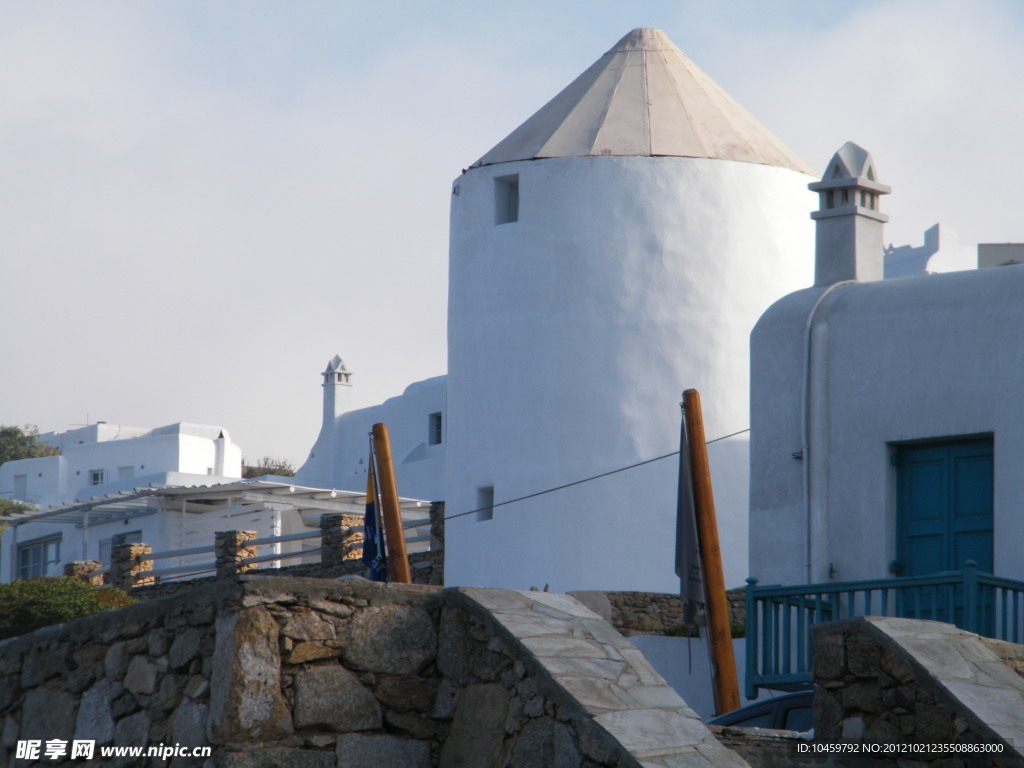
(202, 202)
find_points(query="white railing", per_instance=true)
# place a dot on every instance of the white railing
(416, 544)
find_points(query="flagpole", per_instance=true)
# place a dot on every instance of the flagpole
(723, 662)
(398, 560)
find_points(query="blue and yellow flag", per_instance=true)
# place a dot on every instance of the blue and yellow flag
(373, 546)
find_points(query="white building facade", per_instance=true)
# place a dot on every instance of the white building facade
(416, 428)
(614, 250)
(887, 427)
(103, 460)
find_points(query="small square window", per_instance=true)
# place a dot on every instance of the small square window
(435, 429)
(96, 477)
(485, 503)
(506, 199)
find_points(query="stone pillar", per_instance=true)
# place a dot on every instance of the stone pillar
(437, 543)
(338, 540)
(126, 567)
(332, 539)
(85, 570)
(230, 549)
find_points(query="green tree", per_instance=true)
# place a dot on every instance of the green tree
(23, 443)
(268, 465)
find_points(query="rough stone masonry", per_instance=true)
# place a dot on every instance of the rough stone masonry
(276, 671)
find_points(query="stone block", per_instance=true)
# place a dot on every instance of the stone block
(186, 646)
(168, 692)
(880, 731)
(246, 703)
(116, 661)
(829, 655)
(852, 728)
(389, 639)
(308, 626)
(863, 656)
(543, 742)
(10, 732)
(477, 731)
(828, 714)
(141, 676)
(333, 697)
(158, 641)
(48, 713)
(405, 694)
(414, 726)
(374, 751)
(95, 713)
(133, 731)
(196, 686)
(862, 697)
(304, 652)
(188, 723)
(895, 665)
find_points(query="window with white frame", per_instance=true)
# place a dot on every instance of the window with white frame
(37, 557)
(125, 473)
(96, 477)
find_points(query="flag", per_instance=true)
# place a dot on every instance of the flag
(688, 565)
(373, 546)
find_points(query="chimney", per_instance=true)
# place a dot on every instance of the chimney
(848, 242)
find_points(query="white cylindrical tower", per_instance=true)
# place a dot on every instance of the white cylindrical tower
(614, 250)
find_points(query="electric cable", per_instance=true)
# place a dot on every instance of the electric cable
(587, 479)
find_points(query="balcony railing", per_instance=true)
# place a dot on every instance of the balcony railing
(779, 619)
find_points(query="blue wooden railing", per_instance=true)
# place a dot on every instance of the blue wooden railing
(779, 619)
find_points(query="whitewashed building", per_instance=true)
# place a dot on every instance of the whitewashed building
(106, 458)
(416, 428)
(99, 461)
(613, 250)
(887, 424)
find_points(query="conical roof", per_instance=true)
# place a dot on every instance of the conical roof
(644, 97)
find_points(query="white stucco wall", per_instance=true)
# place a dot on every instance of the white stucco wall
(937, 356)
(338, 458)
(571, 334)
(183, 447)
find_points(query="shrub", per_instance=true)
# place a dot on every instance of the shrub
(28, 604)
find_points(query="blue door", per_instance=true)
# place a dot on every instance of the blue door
(944, 516)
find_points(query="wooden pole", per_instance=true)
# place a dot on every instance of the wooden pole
(723, 662)
(398, 561)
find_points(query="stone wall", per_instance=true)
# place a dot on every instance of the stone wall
(902, 681)
(276, 671)
(656, 613)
